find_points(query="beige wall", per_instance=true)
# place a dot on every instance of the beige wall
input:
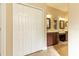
(73, 29)
(9, 30)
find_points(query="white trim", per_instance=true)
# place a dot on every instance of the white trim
(45, 48)
(3, 29)
(32, 6)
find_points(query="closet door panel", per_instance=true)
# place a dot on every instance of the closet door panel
(21, 35)
(35, 22)
(36, 30)
(27, 32)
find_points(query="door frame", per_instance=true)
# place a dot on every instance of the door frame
(3, 29)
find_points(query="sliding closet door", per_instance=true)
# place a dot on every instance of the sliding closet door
(18, 36)
(28, 29)
(37, 30)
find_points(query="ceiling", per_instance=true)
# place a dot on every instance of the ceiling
(60, 6)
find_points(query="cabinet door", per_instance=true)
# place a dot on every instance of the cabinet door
(55, 38)
(50, 39)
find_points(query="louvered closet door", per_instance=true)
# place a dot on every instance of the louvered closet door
(28, 30)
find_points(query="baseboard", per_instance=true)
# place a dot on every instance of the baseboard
(45, 48)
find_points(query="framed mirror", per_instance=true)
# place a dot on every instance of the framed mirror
(61, 24)
(55, 24)
(48, 23)
(66, 24)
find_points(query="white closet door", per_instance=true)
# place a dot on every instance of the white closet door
(28, 30)
(18, 30)
(37, 30)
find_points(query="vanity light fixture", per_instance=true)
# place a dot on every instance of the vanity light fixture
(48, 16)
(60, 18)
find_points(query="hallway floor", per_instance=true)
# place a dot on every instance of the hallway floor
(49, 52)
(62, 48)
(56, 50)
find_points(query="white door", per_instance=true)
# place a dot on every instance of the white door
(28, 29)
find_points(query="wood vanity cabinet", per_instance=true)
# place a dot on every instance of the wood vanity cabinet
(66, 35)
(52, 38)
(63, 36)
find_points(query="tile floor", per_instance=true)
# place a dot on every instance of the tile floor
(56, 50)
(49, 52)
(62, 48)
